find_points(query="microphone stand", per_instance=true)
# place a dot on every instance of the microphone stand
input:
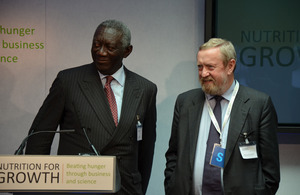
(19, 151)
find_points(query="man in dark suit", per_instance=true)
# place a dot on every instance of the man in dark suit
(243, 159)
(77, 100)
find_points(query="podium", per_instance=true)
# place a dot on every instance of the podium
(44, 173)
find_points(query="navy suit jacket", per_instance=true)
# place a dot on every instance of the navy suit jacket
(253, 112)
(77, 100)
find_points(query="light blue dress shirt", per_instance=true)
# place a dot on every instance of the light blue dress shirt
(203, 136)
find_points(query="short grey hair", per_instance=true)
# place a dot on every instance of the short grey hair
(226, 47)
(120, 27)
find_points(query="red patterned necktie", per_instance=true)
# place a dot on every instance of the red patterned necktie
(111, 98)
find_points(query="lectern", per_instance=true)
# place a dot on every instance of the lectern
(44, 173)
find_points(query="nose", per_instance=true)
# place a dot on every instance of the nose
(102, 51)
(204, 72)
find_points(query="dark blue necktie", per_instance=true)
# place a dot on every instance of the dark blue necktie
(211, 183)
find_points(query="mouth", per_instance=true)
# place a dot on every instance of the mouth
(100, 61)
(206, 80)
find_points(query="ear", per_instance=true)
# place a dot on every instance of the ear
(127, 51)
(231, 66)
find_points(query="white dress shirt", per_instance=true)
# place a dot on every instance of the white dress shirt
(117, 85)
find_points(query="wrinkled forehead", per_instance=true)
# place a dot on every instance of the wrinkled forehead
(108, 35)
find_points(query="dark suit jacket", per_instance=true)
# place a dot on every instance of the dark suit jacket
(253, 112)
(77, 100)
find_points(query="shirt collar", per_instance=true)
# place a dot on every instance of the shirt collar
(119, 76)
(227, 95)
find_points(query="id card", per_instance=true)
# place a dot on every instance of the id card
(139, 131)
(248, 150)
(218, 156)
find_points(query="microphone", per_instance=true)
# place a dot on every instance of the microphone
(23, 144)
(80, 123)
(90, 143)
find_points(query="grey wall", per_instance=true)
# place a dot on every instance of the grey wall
(165, 34)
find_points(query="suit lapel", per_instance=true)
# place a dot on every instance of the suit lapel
(93, 90)
(131, 100)
(238, 118)
(195, 113)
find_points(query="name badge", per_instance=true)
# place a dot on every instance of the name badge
(248, 150)
(139, 131)
(218, 156)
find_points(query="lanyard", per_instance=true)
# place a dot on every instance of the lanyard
(228, 111)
